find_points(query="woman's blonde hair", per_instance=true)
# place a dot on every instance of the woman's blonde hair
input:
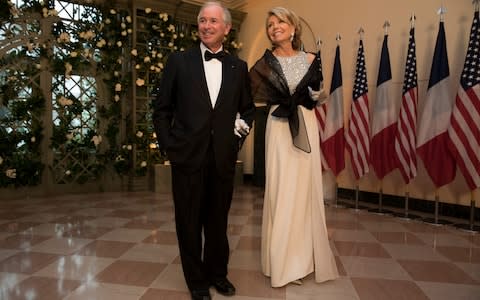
(291, 18)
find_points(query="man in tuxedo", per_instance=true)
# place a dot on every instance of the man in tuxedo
(202, 112)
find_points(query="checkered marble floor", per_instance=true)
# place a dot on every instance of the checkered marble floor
(123, 246)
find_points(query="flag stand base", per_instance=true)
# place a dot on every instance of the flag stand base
(436, 222)
(406, 215)
(468, 227)
(380, 210)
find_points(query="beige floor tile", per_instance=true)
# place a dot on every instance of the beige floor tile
(131, 273)
(251, 230)
(95, 212)
(446, 291)
(351, 235)
(8, 282)
(21, 241)
(360, 249)
(112, 249)
(171, 278)
(460, 254)
(143, 223)
(339, 289)
(384, 226)
(151, 253)
(104, 291)
(245, 260)
(382, 289)
(403, 237)
(413, 252)
(155, 294)
(436, 271)
(367, 267)
(62, 246)
(126, 235)
(75, 267)
(6, 253)
(108, 222)
(162, 238)
(16, 227)
(42, 288)
(249, 243)
(27, 262)
(443, 239)
(254, 284)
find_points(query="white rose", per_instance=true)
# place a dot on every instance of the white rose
(11, 173)
(148, 10)
(118, 87)
(139, 134)
(134, 52)
(143, 164)
(96, 139)
(116, 98)
(140, 82)
(129, 19)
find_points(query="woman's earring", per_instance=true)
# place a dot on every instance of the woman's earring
(291, 36)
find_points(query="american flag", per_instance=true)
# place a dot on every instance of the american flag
(432, 133)
(320, 114)
(405, 137)
(464, 130)
(358, 134)
(384, 122)
(333, 142)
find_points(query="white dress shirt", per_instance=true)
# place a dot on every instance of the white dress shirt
(213, 74)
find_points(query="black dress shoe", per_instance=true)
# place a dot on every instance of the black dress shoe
(224, 287)
(200, 295)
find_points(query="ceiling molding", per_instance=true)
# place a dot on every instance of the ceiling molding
(231, 4)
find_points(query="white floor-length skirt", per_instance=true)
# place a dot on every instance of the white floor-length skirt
(294, 234)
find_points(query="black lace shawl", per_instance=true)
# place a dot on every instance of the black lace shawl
(269, 85)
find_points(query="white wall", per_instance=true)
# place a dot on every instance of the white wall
(327, 18)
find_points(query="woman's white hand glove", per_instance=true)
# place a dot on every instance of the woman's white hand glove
(319, 96)
(241, 128)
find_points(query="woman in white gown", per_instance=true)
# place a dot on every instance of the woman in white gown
(294, 234)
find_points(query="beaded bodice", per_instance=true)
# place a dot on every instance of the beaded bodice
(294, 68)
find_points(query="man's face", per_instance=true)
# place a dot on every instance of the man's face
(212, 27)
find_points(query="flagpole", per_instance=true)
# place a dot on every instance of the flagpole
(379, 210)
(406, 214)
(356, 197)
(435, 220)
(336, 205)
(470, 227)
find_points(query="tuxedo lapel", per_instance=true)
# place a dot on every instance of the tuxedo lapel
(198, 71)
(228, 69)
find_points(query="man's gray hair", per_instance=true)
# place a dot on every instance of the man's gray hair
(227, 17)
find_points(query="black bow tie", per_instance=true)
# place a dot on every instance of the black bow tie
(219, 55)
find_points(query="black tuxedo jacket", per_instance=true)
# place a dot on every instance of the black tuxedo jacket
(184, 119)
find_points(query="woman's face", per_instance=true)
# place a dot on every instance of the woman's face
(279, 31)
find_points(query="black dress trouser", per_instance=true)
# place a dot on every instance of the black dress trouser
(202, 200)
